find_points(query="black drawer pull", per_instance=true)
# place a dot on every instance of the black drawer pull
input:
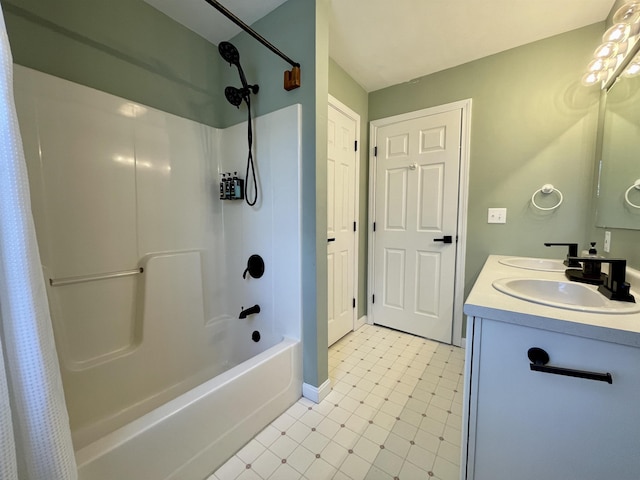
(539, 359)
(331, 239)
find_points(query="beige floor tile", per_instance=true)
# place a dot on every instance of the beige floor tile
(395, 410)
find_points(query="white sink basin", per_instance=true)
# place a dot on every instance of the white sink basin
(569, 295)
(542, 264)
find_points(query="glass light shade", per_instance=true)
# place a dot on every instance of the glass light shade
(634, 29)
(598, 65)
(628, 13)
(592, 78)
(606, 50)
(617, 33)
(632, 70)
(623, 47)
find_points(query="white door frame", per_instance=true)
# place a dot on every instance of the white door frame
(463, 195)
(338, 105)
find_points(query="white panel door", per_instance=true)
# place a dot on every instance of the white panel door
(416, 210)
(341, 167)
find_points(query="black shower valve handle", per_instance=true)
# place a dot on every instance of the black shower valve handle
(255, 267)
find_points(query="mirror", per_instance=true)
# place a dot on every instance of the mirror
(618, 200)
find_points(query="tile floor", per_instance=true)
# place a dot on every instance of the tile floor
(394, 412)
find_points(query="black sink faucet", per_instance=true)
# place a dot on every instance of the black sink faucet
(573, 252)
(614, 287)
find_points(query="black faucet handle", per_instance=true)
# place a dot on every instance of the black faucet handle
(617, 261)
(615, 286)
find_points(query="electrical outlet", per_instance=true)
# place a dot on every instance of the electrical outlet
(497, 215)
(607, 242)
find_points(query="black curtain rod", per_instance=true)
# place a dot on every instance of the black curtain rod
(215, 4)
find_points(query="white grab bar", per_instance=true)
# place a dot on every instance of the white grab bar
(58, 282)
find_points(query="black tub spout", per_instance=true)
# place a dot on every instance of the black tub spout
(249, 311)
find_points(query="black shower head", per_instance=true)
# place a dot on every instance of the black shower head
(234, 96)
(229, 53)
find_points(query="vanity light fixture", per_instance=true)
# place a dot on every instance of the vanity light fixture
(633, 68)
(598, 65)
(620, 42)
(606, 51)
(627, 13)
(617, 33)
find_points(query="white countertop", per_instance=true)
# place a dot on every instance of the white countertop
(487, 302)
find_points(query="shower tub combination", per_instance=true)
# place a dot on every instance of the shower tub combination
(145, 265)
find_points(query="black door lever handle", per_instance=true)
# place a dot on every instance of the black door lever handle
(445, 239)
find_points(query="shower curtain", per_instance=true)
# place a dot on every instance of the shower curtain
(35, 441)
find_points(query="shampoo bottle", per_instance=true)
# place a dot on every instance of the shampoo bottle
(236, 186)
(228, 186)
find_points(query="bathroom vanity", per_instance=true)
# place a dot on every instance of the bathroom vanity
(572, 416)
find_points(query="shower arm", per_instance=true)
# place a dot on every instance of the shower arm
(292, 77)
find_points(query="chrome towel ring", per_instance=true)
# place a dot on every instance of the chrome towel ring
(546, 189)
(635, 185)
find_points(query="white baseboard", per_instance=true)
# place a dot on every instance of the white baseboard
(360, 322)
(316, 394)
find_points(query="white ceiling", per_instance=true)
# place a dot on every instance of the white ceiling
(386, 42)
(206, 21)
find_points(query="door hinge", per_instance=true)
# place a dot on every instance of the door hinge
(373, 298)
(354, 303)
(354, 226)
(374, 226)
(375, 151)
(356, 146)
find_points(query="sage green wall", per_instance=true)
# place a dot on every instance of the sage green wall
(532, 123)
(348, 91)
(315, 329)
(122, 47)
(266, 69)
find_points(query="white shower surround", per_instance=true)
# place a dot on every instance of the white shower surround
(170, 327)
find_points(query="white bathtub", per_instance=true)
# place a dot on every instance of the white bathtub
(191, 436)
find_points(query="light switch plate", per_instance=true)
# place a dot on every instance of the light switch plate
(607, 242)
(497, 215)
